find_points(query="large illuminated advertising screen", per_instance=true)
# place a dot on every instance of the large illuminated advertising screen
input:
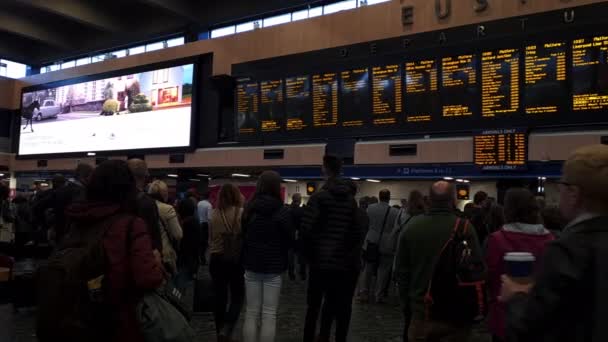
(132, 111)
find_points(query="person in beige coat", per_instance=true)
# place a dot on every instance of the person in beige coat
(171, 231)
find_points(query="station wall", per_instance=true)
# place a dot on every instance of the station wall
(343, 28)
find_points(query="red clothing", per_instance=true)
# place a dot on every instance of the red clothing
(131, 272)
(500, 243)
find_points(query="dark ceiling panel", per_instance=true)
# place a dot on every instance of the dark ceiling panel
(91, 14)
(44, 31)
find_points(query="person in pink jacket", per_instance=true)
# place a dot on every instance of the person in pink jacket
(523, 232)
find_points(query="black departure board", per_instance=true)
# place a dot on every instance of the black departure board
(421, 90)
(325, 100)
(517, 81)
(500, 82)
(546, 87)
(458, 91)
(297, 102)
(354, 97)
(247, 102)
(271, 105)
(386, 94)
(501, 149)
(590, 74)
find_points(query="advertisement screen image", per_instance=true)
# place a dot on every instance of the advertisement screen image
(144, 110)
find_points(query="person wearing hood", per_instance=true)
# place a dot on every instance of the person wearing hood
(522, 232)
(268, 235)
(111, 196)
(333, 232)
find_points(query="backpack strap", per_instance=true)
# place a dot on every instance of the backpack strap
(428, 298)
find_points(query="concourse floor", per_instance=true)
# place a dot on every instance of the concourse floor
(370, 323)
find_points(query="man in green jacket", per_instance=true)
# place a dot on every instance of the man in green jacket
(419, 247)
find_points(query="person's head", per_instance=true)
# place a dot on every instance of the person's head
(36, 186)
(296, 200)
(521, 206)
(191, 194)
(552, 219)
(416, 203)
(205, 195)
(404, 203)
(442, 195)
(139, 169)
(186, 208)
(83, 173)
(58, 181)
(385, 195)
(159, 191)
(332, 166)
(269, 184)
(584, 185)
(4, 192)
(469, 208)
(229, 197)
(112, 182)
(479, 198)
(364, 202)
(373, 200)
(495, 217)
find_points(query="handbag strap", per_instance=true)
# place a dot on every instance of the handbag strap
(229, 227)
(388, 210)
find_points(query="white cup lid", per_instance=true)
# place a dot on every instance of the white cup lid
(519, 256)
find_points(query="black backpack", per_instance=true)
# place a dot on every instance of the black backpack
(457, 290)
(71, 308)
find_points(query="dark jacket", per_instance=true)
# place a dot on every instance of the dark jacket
(147, 210)
(190, 245)
(268, 235)
(130, 272)
(49, 208)
(64, 197)
(478, 219)
(418, 247)
(333, 228)
(297, 213)
(569, 302)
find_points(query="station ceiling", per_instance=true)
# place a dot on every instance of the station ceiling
(41, 31)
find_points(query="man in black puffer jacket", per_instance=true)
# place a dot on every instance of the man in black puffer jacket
(333, 236)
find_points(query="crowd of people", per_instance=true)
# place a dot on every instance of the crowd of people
(447, 265)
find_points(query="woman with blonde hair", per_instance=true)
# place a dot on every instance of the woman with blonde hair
(170, 229)
(225, 244)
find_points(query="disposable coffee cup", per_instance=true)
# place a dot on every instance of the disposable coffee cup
(520, 266)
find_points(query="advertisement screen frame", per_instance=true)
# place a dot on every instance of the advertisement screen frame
(196, 62)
